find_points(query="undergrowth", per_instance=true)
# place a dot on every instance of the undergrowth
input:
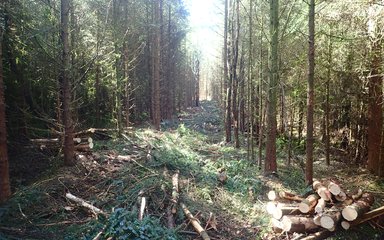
(123, 224)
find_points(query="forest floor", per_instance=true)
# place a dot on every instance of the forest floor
(191, 146)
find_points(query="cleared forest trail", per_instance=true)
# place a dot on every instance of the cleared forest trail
(218, 185)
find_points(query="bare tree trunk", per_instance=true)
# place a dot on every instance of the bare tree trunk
(292, 118)
(327, 128)
(259, 102)
(270, 152)
(66, 87)
(234, 75)
(118, 64)
(375, 102)
(227, 84)
(250, 102)
(156, 69)
(310, 97)
(5, 190)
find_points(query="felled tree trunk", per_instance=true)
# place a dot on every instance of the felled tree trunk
(298, 224)
(330, 220)
(309, 203)
(358, 208)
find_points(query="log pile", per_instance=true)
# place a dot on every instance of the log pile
(327, 209)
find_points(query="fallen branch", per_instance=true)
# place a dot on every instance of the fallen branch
(85, 204)
(170, 219)
(195, 223)
(175, 191)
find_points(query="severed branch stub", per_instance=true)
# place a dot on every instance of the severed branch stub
(195, 223)
(85, 204)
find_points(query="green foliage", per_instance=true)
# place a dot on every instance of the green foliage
(123, 224)
(293, 178)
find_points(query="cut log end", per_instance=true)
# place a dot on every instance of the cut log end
(271, 206)
(327, 222)
(345, 225)
(349, 213)
(334, 188)
(272, 195)
(304, 207)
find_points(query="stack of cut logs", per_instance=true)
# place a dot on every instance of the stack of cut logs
(81, 144)
(323, 211)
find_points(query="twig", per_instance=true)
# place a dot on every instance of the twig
(22, 214)
(59, 223)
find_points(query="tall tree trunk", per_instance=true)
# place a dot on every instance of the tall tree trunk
(250, 103)
(282, 109)
(118, 63)
(5, 190)
(310, 96)
(197, 81)
(156, 113)
(375, 102)
(227, 84)
(327, 84)
(270, 152)
(235, 77)
(259, 102)
(66, 87)
(375, 118)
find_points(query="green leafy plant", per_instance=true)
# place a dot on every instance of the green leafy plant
(123, 224)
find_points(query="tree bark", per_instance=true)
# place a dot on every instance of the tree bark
(156, 113)
(375, 82)
(327, 86)
(235, 75)
(358, 208)
(66, 87)
(5, 190)
(310, 96)
(270, 155)
(227, 84)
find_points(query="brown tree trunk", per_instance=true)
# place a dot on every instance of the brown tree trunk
(69, 158)
(310, 97)
(235, 75)
(5, 190)
(156, 114)
(327, 84)
(301, 117)
(227, 85)
(259, 121)
(375, 112)
(270, 152)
